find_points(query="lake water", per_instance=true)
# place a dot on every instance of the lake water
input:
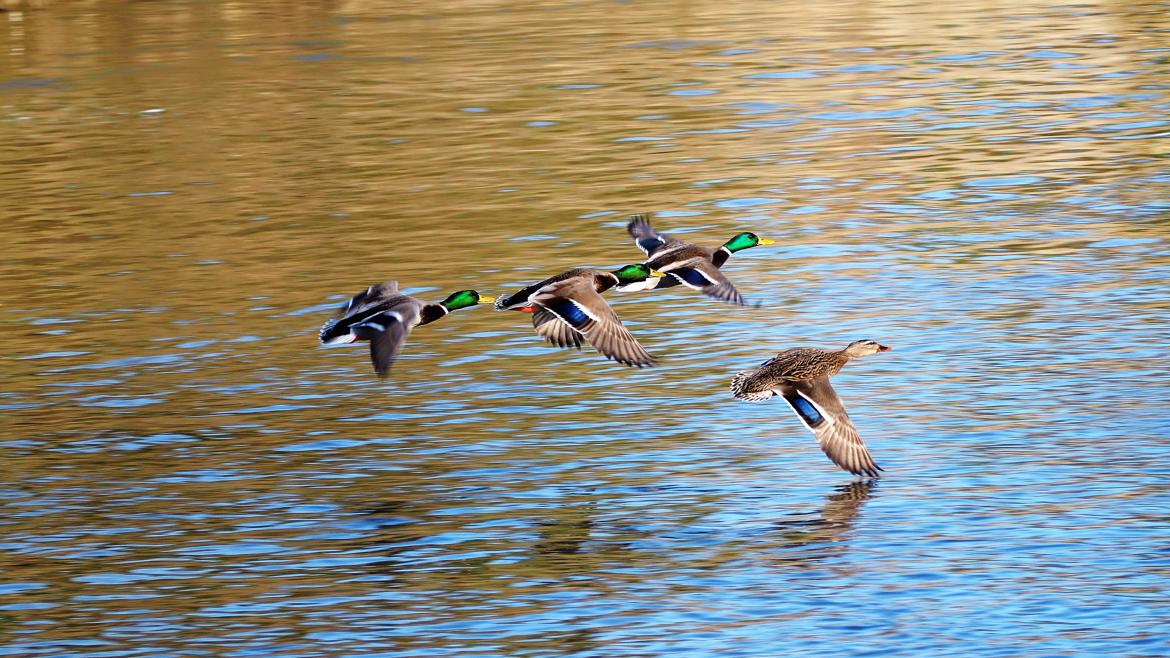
(190, 189)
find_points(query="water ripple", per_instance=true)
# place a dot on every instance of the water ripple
(190, 474)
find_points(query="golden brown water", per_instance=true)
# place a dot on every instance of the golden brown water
(190, 189)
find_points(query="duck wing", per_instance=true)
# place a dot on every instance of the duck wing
(820, 409)
(365, 304)
(523, 298)
(578, 304)
(645, 237)
(369, 297)
(701, 274)
(556, 331)
(387, 331)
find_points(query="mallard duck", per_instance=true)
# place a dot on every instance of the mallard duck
(385, 317)
(689, 264)
(569, 306)
(801, 376)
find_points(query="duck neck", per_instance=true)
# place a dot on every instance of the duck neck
(840, 358)
(605, 281)
(432, 312)
(720, 256)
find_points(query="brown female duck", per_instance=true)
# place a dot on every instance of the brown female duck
(801, 376)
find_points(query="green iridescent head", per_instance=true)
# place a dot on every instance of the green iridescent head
(745, 240)
(465, 298)
(634, 274)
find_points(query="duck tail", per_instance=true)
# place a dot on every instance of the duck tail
(332, 334)
(517, 300)
(502, 302)
(743, 387)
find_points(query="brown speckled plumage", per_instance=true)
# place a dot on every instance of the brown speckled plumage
(801, 376)
(799, 363)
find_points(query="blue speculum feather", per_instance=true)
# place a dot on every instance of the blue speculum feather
(806, 410)
(568, 311)
(650, 244)
(691, 276)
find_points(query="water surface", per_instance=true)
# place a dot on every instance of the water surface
(190, 190)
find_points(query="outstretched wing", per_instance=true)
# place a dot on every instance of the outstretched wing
(580, 306)
(387, 332)
(647, 239)
(370, 295)
(820, 409)
(360, 307)
(702, 275)
(555, 330)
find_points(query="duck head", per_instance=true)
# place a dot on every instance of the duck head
(636, 277)
(464, 299)
(864, 347)
(745, 240)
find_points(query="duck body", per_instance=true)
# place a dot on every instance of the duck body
(385, 317)
(521, 299)
(801, 375)
(688, 264)
(568, 307)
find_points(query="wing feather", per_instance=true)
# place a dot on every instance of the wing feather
(701, 274)
(830, 424)
(593, 318)
(387, 332)
(555, 330)
(645, 237)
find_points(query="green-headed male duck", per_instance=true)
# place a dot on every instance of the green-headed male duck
(686, 263)
(569, 306)
(384, 316)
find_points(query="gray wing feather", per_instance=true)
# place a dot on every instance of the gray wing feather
(603, 329)
(836, 435)
(387, 332)
(713, 282)
(645, 237)
(555, 330)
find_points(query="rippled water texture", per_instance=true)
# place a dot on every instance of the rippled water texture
(190, 189)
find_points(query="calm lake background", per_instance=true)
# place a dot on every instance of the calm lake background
(190, 189)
